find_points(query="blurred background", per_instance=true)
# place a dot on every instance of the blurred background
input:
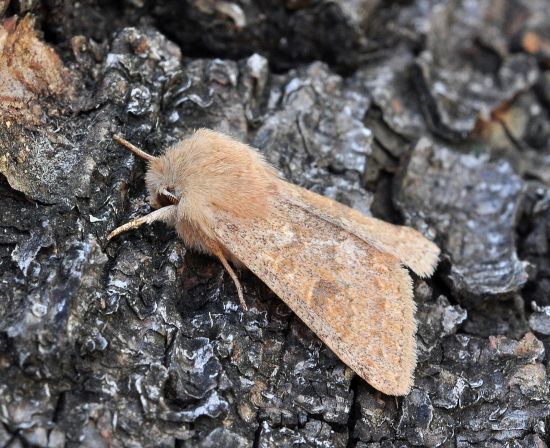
(433, 114)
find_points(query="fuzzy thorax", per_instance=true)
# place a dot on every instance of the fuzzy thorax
(209, 172)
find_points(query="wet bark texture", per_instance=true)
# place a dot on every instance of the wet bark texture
(429, 113)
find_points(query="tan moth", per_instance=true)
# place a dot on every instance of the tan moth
(341, 272)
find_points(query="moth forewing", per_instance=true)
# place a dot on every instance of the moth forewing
(356, 298)
(408, 245)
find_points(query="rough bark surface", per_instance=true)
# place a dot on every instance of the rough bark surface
(431, 113)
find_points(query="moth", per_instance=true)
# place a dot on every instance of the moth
(344, 274)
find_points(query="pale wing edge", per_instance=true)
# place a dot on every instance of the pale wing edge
(408, 245)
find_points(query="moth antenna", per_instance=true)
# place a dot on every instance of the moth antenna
(218, 253)
(165, 214)
(168, 194)
(138, 152)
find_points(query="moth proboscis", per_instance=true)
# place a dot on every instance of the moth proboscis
(341, 272)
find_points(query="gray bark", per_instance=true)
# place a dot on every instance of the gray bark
(433, 114)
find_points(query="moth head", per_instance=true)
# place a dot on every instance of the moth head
(160, 180)
(161, 184)
(162, 194)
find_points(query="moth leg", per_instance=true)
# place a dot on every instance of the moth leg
(165, 214)
(218, 253)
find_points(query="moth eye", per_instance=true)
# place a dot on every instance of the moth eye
(167, 196)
